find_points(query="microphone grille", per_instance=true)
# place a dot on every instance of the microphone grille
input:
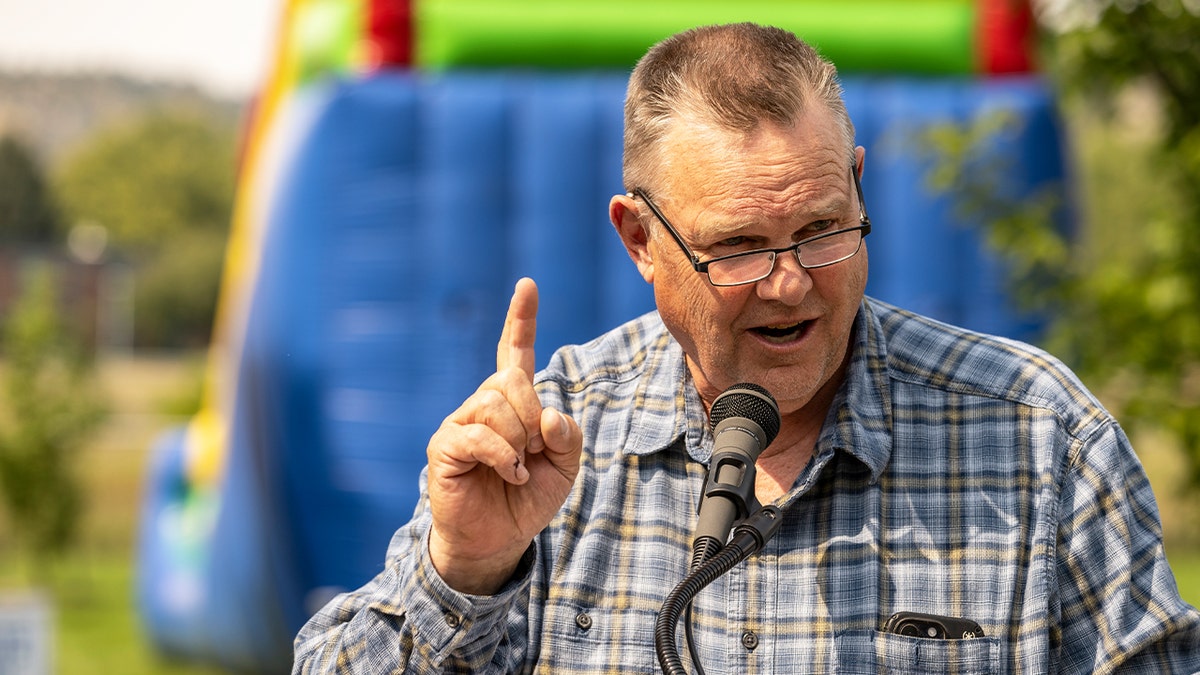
(750, 401)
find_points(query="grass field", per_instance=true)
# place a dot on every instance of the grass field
(1186, 566)
(96, 629)
(96, 626)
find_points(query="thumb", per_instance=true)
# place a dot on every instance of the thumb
(560, 432)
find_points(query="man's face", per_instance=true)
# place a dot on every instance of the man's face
(726, 193)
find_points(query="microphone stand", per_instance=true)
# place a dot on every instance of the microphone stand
(725, 502)
(748, 538)
(728, 496)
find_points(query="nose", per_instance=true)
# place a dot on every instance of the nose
(788, 281)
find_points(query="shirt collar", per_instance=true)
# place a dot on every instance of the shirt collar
(860, 419)
(666, 406)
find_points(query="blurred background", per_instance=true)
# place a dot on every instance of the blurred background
(125, 128)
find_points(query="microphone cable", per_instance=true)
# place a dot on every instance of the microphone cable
(703, 550)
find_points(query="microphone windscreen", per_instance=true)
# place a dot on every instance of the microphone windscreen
(750, 401)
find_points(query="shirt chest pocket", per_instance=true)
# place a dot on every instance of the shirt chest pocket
(874, 652)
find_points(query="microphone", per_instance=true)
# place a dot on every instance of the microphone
(744, 419)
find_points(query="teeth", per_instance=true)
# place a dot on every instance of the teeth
(781, 332)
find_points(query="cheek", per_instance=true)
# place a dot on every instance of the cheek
(858, 277)
(692, 309)
(861, 262)
(845, 283)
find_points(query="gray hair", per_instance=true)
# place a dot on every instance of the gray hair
(734, 76)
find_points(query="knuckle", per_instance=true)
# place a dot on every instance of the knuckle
(512, 377)
(488, 398)
(478, 436)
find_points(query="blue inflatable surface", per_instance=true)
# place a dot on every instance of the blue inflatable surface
(410, 206)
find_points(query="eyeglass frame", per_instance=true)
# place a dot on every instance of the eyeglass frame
(701, 266)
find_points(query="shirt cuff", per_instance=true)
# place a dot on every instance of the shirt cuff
(449, 621)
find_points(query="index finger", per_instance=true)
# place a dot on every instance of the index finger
(520, 329)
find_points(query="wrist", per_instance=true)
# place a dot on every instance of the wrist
(474, 573)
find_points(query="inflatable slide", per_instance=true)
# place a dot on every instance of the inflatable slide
(406, 162)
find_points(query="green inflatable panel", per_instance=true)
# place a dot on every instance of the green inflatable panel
(936, 37)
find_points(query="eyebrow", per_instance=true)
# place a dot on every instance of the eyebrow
(709, 231)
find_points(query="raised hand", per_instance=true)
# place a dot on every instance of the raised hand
(500, 466)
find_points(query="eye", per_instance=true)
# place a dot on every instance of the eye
(817, 227)
(730, 245)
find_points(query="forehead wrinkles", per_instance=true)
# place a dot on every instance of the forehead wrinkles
(774, 164)
(795, 191)
(714, 183)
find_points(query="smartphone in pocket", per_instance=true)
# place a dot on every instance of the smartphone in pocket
(932, 626)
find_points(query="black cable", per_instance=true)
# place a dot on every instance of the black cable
(703, 549)
(690, 640)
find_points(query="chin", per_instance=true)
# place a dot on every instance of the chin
(790, 400)
(794, 388)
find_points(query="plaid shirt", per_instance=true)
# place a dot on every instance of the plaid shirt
(956, 474)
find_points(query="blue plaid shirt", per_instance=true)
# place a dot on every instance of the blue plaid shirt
(956, 474)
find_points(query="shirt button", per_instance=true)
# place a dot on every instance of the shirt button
(749, 640)
(452, 620)
(583, 621)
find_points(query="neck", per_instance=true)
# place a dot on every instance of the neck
(781, 462)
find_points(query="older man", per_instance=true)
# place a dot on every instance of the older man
(918, 467)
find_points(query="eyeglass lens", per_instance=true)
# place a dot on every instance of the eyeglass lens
(820, 252)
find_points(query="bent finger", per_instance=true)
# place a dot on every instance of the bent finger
(509, 395)
(456, 450)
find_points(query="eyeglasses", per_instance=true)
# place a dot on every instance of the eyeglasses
(747, 267)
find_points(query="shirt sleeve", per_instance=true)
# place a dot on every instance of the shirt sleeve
(1120, 609)
(407, 620)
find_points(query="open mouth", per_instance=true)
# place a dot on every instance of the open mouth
(782, 333)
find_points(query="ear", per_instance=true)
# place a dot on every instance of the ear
(623, 212)
(860, 156)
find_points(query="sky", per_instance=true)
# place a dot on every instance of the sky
(221, 45)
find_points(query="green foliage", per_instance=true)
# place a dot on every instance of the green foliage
(1122, 314)
(176, 292)
(163, 187)
(27, 210)
(968, 164)
(1186, 566)
(1124, 297)
(1137, 321)
(149, 180)
(49, 409)
(1123, 41)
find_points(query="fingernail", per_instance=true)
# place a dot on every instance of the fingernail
(522, 473)
(563, 423)
(537, 443)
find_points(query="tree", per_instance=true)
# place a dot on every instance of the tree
(28, 214)
(1124, 298)
(49, 409)
(148, 180)
(1132, 319)
(163, 187)
(1105, 45)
